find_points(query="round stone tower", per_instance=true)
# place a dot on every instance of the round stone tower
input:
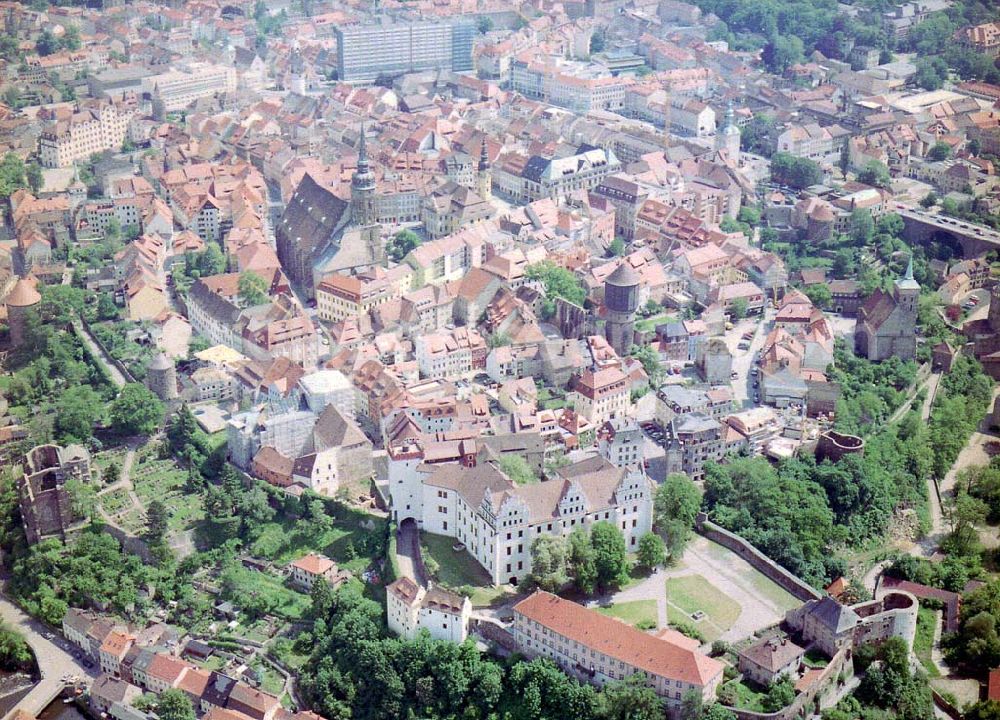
(22, 298)
(161, 377)
(621, 298)
(994, 316)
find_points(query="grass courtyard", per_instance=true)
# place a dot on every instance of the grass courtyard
(639, 613)
(458, 570)
(691, 594)
(923, 641)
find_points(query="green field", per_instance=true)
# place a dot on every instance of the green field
(641, 613)
(923, 641)
(458, 569)
(761, 583)
(693, 593)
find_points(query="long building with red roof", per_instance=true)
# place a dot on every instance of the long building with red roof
(600, 649)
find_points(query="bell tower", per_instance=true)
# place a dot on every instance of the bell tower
(363, 187)
(484, 180)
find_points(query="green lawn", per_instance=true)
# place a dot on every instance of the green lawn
(924, 640)
(641, 613)
(459, 569)
(692, 593)
(287, 603)
(815, 659)
(761, 583)
(213, 663)
(650, 323)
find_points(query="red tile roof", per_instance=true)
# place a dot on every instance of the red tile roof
(615, 639)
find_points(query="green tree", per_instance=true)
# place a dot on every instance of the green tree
(675, 507)
(632, 699)
(46, 43)
(738, 308)
(610, 554)
(617, 247)
(484, 24)
(650, 360)
(106, 308)
(136, 411)
(33, 175)
(717, 711)
(82, 497)
(794, 171)
(549, 558)
(780, 694)
(401, 244)
(781, 52)
(940, 151)
(211, 261)
(517, 469)
(174, 704)
(931, 73)
(819, 295)
(581, 561)
(876, 174)
(558, 283)
(157, 520)
(983, 710)
(78, 409)
(15, 653)
(652, 551)
(862, 227)
(252, 289)
(12, 175)
(596, 43)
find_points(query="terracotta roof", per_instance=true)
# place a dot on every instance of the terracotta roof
(314, 564)
(620, 641)
(23, 294)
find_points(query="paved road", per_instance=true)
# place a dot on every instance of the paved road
(55, 659)
(408, 553)
(116, 376)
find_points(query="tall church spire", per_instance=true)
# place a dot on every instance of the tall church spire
(909, 269)
(363, 187)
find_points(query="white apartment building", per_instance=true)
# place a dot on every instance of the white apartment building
(450, 353)
(411, 608)
(497, 520)
(91, 129)
(176, 89)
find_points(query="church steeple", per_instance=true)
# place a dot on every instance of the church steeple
(363, 187)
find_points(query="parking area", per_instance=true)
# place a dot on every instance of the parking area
(744, 341)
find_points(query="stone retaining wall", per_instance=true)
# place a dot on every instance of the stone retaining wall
(799, 588)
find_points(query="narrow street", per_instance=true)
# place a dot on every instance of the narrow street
(116, 376)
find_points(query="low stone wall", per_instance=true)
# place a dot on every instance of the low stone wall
(799, 588)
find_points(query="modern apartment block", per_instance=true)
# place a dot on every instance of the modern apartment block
(176, 89)
(365, 52)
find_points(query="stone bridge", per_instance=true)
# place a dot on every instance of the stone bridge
(54, 656)
(922, 226)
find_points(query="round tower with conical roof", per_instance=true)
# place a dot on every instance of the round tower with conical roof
(161, 377)
(21, 299)
(621, 299)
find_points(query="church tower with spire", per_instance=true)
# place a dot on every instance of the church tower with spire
(363, 215)
(484, 178)
(363, 187)
(728, 138)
